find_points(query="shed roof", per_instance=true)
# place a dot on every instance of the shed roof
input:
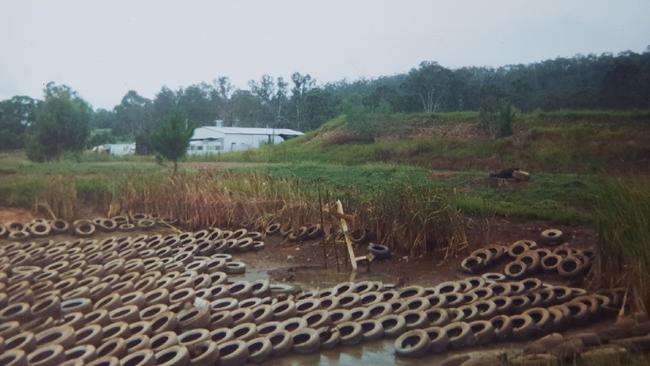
(212, 131)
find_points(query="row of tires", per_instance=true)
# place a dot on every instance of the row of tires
(526, 259)
(41, 227)
(302, 233)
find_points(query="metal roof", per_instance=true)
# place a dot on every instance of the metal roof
(213, 131)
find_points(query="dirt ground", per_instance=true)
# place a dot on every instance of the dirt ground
(304, 263)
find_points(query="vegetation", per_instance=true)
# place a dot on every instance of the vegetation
(172, 139)
(605, 82)
(624, 238)
(541, 142)
(60, 124)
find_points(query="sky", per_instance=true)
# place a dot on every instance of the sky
(102, 49)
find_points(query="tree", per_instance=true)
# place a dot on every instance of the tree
(301, 85)
(61, 124)
(172, 138)
(16, 115)
(430, 84)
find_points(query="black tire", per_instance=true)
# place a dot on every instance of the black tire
(414, 343)
(379, 251)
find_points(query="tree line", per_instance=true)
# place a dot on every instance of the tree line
(603, 81)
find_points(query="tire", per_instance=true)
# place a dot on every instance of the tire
(272, 228)
(166, 321)
(305, 340)
(329, 337)
(59, 226)
(531, 259)
(24, 340)
(90, 334)
(192, 337)
(85, 353)
(262, 314)
(495, 277)
(371, 329)
(378, 310)
(40, 229)
(417, 303)
(293, 324)
(472, 265)
(516, 269)
(337, 316)
(245, 331)
(114, 347)
(519, 247)
(470, 312)
(570, 267)
(578, 312)
(552, 237)
(520, 303)
(259, 349)
(415, 319)
(502, 326)
(486, 309)
(523, 326)
(459, 334)
(314, 231)
(173, 356)
(380, 251)
(14, 357)
(307, 305)
(531, 284)
(284, 309)
(350, 333)
(437, 317)
(359, 313)
(235, 267)
(414, 343)
(63, 335)
(143, 357)
(483, 331)
(410, 292)
(137, 342)
(447, 287)
(281, 342)
(221, 335)
(370, 298)
(439, 342)
(51, 354)
(105, 361)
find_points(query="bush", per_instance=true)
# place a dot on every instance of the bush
(496, 117)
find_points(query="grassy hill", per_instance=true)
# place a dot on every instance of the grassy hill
(556, 142)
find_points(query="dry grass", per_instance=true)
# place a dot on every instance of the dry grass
(409, 219)
(624, 239)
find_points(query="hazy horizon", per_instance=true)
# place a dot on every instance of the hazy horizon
(103, 50)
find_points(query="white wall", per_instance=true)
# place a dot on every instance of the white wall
(230, 142)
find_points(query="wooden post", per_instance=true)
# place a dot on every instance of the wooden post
(346, 234)
(322, 227)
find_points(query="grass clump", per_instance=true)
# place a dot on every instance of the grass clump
(623, 223)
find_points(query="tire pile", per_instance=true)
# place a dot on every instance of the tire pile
(144, 300)
(40, 227)
(527, 258)
(173, 301)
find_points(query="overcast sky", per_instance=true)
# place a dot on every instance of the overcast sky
(102, 49)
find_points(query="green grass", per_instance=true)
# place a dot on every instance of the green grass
(563, 198)
(623, 223)
(549, 142)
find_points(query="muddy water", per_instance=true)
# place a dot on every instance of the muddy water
(376, 353)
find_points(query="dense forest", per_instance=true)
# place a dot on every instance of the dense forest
(581, 82)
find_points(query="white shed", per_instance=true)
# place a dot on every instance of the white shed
(213, 140)
(115, 149)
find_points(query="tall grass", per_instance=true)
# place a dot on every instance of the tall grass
(408, 218)
(624, 238)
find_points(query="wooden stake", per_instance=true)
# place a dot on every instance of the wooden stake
(346, 234)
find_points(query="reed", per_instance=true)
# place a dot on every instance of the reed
(413, 219)
(623, 212)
